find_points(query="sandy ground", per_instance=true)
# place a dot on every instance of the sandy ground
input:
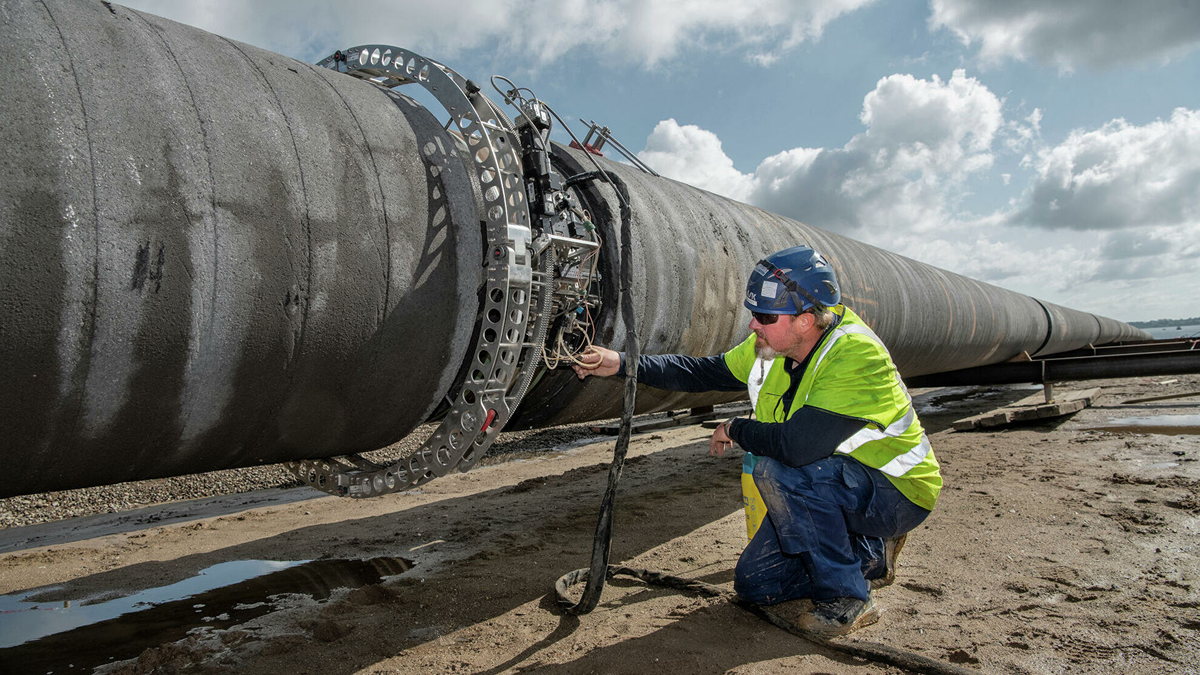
(1053, 549)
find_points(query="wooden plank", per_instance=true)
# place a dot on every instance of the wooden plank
(1029, 409)
(965, 424)
(1030, 413)
(996, 419)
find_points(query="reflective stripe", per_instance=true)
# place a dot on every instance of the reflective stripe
(870, 433)
(846, 330)
(902, 464)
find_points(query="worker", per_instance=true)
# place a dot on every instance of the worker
(841, 461)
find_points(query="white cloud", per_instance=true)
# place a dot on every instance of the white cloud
(693, 155)
(1125, 275)
(640, 31)
(1135, 189)
(1150, 254)
(1020, 135)
(981, 250)
(1071, 33)
(923, 138)
(1119, 176)
(895, 185)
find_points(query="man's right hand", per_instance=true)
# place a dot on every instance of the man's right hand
(598, 361)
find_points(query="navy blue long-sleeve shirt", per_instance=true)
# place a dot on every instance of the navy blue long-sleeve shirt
(807, 436)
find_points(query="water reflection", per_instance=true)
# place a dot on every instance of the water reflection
(1168, 425)
(64, 636)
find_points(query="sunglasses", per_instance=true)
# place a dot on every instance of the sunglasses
(768, 319)
(765, 319)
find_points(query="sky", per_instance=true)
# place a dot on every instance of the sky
(1049, 147)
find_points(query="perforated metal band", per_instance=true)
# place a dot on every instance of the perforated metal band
(501, 355)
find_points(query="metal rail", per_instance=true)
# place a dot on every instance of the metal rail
(1146, 363)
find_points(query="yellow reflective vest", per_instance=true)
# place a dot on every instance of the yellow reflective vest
(850, 373)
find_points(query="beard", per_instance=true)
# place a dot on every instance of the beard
(763, 351)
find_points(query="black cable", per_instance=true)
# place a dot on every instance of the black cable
(589, 175)
(601, 543)
(622, 192)
(513, 94)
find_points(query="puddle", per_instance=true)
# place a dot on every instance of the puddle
(65, 636)
(1167, 425)
(943, 398)
(1163, 465)
(950, 399)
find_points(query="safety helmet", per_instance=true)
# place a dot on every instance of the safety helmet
(791, 281)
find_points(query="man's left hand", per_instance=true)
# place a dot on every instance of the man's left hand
(720, 441)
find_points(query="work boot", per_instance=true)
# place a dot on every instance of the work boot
(891, 551)
(840, 616)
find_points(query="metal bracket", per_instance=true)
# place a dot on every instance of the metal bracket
(604, 135)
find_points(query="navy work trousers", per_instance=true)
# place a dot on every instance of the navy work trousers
(823, 534)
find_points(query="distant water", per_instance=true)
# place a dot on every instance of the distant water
(1168, 332)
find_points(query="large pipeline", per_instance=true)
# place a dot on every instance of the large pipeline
(214, 256)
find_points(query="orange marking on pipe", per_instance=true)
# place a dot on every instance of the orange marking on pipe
(855, 301)
(973, 317)
(949, 306)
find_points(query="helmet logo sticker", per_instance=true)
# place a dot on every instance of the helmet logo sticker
(751, 299)
(769, 289)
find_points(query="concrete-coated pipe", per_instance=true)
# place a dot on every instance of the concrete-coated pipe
(212, 255)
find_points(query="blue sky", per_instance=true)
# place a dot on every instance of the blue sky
(1048, 147)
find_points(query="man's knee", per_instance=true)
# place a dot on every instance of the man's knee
(754, 577)
(771, 579)
(750, 588)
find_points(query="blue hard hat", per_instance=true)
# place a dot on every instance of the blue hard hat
(791, 281)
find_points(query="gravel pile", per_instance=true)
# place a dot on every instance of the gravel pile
(51, 506)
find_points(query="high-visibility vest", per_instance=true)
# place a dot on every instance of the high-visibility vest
(850, 374)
